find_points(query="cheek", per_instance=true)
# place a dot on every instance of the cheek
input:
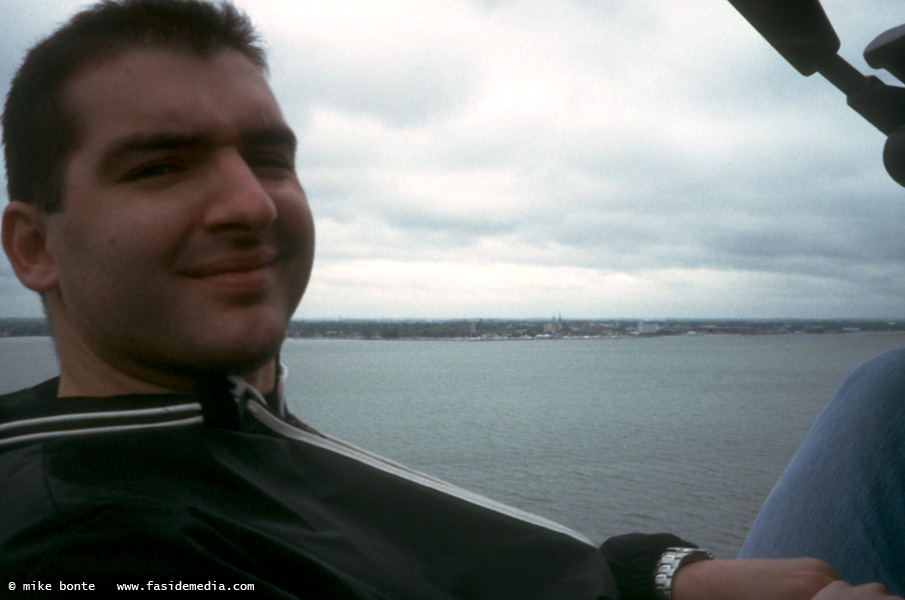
(109, 261)
(296, 224)
(303, 234)
(296, 232)
(76, 250)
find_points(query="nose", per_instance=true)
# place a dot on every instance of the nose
(239, 202)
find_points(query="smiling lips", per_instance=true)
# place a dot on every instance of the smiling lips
(245, 271)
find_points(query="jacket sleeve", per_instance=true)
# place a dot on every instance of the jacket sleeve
(633, 558)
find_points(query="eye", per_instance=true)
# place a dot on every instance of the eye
(270, 160)
(153, 170)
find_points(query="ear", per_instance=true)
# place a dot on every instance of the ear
(24, 234)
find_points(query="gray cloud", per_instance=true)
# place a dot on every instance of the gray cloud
(593, 158)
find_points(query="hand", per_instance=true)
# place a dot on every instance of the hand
(756, 579)
(840, 590)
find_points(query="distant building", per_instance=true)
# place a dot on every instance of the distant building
(554, 326)
(648, 328)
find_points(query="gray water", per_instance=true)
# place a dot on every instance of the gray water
(681, 434)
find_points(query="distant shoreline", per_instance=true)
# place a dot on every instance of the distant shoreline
(534, 329)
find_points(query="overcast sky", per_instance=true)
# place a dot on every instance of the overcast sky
(595, 159)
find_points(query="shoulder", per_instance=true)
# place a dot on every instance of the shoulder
(13, 402)
(57, 513)
(25, 497)
(25, 406)
(99, 542)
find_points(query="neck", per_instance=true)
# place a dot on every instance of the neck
(88, 371)
(83, 373)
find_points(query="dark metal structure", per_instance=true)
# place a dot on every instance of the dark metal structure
(801, 32)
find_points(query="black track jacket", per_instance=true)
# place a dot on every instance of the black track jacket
(174, 492)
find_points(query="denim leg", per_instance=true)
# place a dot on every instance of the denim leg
(842, 497)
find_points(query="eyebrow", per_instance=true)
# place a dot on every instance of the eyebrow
(276, 136)
(141, 143)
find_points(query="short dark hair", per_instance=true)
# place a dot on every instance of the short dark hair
(39, 131)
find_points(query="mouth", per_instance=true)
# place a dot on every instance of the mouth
(248, 271)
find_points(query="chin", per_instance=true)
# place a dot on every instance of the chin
(250, 354)
(232, 350)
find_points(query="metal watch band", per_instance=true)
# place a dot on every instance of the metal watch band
(670, 562)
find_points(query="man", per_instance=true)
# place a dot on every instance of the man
(156, 209)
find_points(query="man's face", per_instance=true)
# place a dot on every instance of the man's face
(185, 240)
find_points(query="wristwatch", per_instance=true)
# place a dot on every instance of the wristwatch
(670, 562)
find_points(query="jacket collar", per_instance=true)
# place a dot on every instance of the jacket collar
(36, 414)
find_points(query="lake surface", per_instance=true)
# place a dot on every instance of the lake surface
(681, 434)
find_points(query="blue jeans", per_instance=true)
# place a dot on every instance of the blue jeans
(842, 497)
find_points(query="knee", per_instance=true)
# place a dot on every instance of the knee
(876, 387)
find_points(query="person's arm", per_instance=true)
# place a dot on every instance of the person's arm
(752, 579)
(632, 559)
(768, 579)
(840, 590)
